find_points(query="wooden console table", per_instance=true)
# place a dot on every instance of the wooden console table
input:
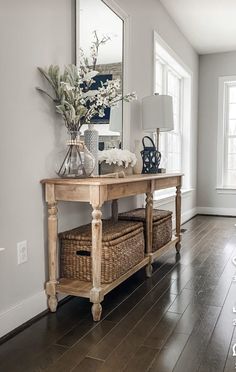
(96, 191)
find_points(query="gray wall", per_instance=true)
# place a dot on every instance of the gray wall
(32, 33)
(38, 33)
(212, 66)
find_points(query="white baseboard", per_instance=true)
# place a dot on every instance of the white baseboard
(188, 214)
(17, 315)
(217, 211)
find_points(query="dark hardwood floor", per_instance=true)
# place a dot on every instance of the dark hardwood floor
(180, 320)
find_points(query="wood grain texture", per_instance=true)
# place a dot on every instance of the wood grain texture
(111, 181)
(195, 348)
(52, 248)
(178, 217)
(88, 365)
(114, 210)
(96, 191)
(126, 349)
(96, 292)
(166, 358)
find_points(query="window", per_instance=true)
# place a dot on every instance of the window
(227, 133)
(169, 82)
(172, 78)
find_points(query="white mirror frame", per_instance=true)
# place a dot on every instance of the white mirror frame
(126, 19)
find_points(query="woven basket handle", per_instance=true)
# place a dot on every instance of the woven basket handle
(150, 139)
(83, 253)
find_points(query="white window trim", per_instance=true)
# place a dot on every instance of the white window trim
(187, 94)
(179, 133)
(226, 190)
(169, 197)
(220, 187)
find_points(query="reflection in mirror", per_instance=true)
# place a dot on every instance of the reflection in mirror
(101, 41)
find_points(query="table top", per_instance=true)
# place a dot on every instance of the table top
(100, 181)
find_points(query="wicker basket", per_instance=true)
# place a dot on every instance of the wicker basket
(162, 225)
(122, 248)
(113, 168)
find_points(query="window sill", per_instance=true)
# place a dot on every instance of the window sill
(226, 190)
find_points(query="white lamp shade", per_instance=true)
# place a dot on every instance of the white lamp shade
(157, 112)
(116, 118)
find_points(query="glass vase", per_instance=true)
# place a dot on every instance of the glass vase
(78, 161)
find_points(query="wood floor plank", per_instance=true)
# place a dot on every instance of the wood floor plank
(217, 349)
(76, 333)
(112, 300)
(88, 365)
(222, 285)
(194, 351)
(199, 253)
(162, 331)
(203, 281)
(141, 360)
(78, 352)
(40, 336)
(126, 349)
(192, 316)
(47, 358)
(230, 364)
(113, 339)
(182, 301)
(162, 268)
(166, 359)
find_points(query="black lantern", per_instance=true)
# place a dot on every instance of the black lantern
(151, 157)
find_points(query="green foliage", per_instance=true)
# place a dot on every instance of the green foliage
(73, 97)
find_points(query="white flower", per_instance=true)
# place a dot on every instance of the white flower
(101, 113)
(90, 93)
(90, 75)
(117, 156)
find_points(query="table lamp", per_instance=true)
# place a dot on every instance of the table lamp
(157, 114)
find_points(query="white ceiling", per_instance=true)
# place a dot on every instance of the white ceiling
(209, 25)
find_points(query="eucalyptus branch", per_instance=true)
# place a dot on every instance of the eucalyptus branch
(74, 99)
(44, 92)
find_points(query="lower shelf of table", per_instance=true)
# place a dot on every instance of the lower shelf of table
(164, 249)
(81, 288)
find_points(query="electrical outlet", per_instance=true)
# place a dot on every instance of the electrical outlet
(22, 253)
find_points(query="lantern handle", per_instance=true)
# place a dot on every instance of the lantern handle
(150, 139)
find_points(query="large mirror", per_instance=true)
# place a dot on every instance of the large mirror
(100, 35)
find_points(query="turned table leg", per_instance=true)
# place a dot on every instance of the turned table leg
(52, 256)
(149, 225)
(114, 210)
(178, 217)
(96, 295)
